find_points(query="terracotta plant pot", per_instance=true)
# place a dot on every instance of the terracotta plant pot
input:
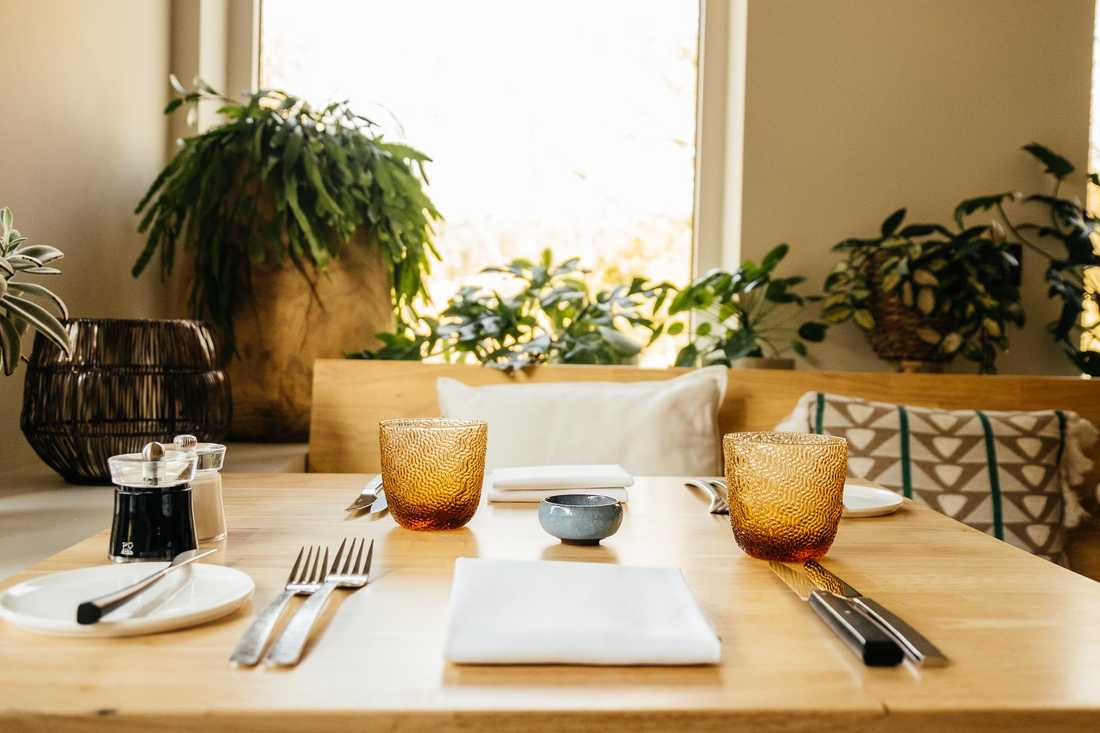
(283, 329)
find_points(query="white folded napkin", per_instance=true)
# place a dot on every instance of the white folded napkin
(530, 478)
(523, 612)
(537, 495)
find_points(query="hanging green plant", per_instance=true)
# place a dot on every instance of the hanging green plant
(278, 181)
(953, 290)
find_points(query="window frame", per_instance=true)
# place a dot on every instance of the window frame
(233, 27)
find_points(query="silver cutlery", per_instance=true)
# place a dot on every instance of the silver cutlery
(714, 490)
(917, 648)
(304, 579)
(354, 574)
(369, 497)
(89, 612)
(870, 643)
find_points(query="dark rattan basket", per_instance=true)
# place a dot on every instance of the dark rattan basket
(127, 383)
(894, 337)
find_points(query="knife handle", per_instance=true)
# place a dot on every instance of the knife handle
(869, 642)
(918, 648)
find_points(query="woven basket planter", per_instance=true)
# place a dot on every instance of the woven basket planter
(127, 382)
(894, 337)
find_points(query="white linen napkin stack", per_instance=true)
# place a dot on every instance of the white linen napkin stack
(535, 483)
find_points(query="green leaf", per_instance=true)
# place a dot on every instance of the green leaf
(951, 343)
(813, 331)
(864, 319)
(981, 203)
(33, 289)
(924, 277)
(9, 346)
(40, 319)
(926, 300)
(892, 222)
(774, 257)
(1056, 165)
(929, 335)
(619, 342)
(703, 329)
(675, 329)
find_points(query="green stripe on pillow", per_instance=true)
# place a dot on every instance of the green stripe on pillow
(903, 438)
(994, 477)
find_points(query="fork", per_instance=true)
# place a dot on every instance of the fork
(305, 581)
(718, 503)
(288, 648)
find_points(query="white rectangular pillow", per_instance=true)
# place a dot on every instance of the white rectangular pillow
(651, 428)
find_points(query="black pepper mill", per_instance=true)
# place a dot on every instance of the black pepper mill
(153, 515)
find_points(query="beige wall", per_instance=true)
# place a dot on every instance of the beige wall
(857, 107)
(82, 86)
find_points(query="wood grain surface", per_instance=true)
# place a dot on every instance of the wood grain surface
(1024, 635)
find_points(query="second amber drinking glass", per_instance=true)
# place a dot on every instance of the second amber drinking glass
(432, 470)
(786, 492)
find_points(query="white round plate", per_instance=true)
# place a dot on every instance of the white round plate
(867, 499)
(186, 597)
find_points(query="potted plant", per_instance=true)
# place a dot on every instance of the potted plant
(747, 318)
(925, 293)
(552, 316)
(305, 231)
(1070, 273)
(19, 310)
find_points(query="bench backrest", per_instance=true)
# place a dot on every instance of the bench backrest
(350, 397)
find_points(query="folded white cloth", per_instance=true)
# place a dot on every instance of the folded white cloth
(537, 495)
(523, 612)
(538, 478)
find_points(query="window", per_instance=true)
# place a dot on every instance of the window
(566, 124)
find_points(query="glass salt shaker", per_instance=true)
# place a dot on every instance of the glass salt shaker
(206, 486)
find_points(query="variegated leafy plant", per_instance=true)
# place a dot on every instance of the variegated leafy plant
(963, 280)
(19, 306)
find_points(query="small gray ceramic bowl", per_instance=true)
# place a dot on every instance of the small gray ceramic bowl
(581, 519)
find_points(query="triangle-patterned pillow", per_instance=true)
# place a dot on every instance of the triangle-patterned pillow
(1003, 473)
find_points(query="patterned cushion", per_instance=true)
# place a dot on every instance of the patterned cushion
(1000, 472)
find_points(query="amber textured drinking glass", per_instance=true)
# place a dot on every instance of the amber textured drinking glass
(786, 492)
(432, 470)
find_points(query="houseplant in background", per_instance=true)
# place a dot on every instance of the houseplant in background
(305, 231)
(19, 310)
(746, 318)
(551, 315)
(925, 293)
(1071, 272)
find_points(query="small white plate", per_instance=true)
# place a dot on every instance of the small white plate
(187, 597)
(867, 499)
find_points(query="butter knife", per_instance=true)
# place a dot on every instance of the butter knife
(870, 643)
(89, 612)
(367, 496)
(916, 646)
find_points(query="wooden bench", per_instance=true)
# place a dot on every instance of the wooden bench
(350, 397)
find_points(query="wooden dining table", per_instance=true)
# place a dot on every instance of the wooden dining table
(1023, 634)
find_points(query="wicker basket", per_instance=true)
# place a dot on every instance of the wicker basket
(127, 382)
(894, 337)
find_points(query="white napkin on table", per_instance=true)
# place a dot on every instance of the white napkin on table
(524, 612)
(534, 478)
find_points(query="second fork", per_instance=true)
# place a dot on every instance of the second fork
(287, 649)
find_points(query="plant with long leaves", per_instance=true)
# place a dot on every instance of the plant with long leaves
(551, 316)
(1070, 273)
(278, 181)
(964, 282)
(746, 313)
(19, 309)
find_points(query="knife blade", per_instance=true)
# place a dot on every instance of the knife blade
(916, 646)
(380, 504)
(870, 643)
(367, 496)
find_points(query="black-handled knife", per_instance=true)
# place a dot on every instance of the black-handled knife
(871, 644)
(916, 646)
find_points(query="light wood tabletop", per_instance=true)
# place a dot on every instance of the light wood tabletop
(1024, 635)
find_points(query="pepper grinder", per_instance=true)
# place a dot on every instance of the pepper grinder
(154, 519)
